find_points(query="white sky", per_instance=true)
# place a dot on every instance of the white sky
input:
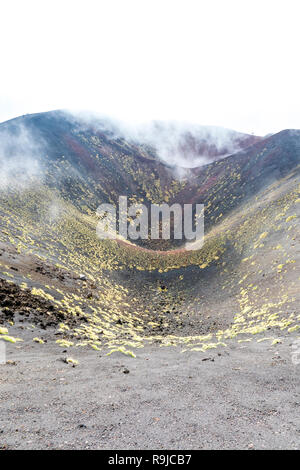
(228, 63)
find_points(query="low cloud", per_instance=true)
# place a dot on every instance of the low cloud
(20, 163)
(178, 144)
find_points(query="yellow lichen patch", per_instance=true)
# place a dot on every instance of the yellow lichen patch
(38, 340)
(123, 351)
(291, 217)
(276, 341)
(10, 339)
(70, 360)
(263, 235)
(64, 343)
(63, 327)
(293, 328)
(41, 293)
(264, 339)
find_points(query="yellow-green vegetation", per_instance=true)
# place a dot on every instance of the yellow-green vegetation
(38, 340)
(73, 362)
(10, 339)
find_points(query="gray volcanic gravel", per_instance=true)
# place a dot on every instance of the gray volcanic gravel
(244, 396)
